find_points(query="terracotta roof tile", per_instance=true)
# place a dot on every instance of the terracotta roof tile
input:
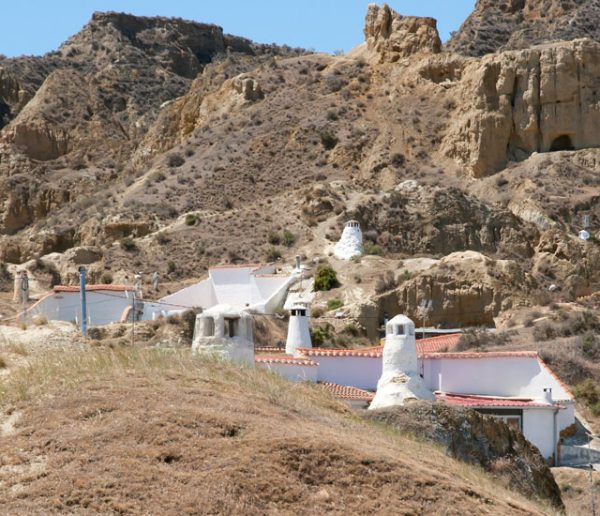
(347, 392)
(484, 354)
(475, 401)
(429, 345)
(92, 288)
(286, 359)
(269, 349)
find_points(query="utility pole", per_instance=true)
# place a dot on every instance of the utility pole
(82, 278)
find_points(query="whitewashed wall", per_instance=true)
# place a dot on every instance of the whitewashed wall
(492, 376)
(538, 428)
(200, 295)
(294, 373)
(361, 372)
(66, 306)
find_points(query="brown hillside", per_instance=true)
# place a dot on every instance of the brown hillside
(138, 431)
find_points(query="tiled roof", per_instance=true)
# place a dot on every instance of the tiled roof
(269, 349)
(286, 359)
(475, 401)
(424, 346)
(346, 392)
(360, 352)
(484, 354)
(435, 344)
(91, 288)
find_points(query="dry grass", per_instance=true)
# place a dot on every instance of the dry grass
(577, 491)
(136, 431)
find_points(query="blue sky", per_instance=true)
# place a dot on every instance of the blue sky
(37, 26)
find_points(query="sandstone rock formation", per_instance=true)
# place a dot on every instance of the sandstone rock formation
(539, 100)
(465, 288)
(393, 37)
(516, 24)
(441, 221)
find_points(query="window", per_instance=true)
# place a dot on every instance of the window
(398, 329)
(231, 327)
(208, 328)
(512, 417)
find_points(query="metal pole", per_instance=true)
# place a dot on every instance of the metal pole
(82, 278)
(133, 318)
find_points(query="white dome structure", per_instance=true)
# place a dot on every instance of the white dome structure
(298, 335)
(351, 242)
(400, 380)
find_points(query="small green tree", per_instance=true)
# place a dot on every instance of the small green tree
(288, 239)
(326, 278)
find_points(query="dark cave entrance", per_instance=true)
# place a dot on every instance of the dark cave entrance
(563, 142)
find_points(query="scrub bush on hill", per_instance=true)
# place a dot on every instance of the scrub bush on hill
(326, 278)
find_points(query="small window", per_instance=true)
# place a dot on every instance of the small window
(231, 327)
(302, 312)
(398, 329)
(208, 327)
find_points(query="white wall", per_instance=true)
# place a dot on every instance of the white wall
(361, 372)
(201, 295)
(538, 428)
(492, 376)
(66, 306)
(294, 373)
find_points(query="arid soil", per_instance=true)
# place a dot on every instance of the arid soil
(132, 432)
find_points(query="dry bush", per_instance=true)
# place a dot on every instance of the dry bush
(481, 338)
(385, 282)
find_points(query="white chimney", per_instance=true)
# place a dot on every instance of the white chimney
(547, 397)
(298, 328)
(400, 379)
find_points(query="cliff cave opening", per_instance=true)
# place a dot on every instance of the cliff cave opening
(561, 143)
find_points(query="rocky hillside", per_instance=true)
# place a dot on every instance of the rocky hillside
(517, 24)
(161, 144)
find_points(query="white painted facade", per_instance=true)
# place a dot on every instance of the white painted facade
(225, 333)
(350, 243)
(400, 380)
(293, 372)
(361, 372)
(103, 306)
(247, 287)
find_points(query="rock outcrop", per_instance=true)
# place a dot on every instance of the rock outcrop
(392, 36)
(441, 221)
(516, 24)
(479, 440)
(466, 289)
(543, 99)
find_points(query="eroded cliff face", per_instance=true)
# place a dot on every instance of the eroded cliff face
(497, 25)
(393, 36)
(539, 100)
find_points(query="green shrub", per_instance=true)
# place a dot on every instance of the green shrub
(328, 140)
(288, 238)
(320, 334)
(106, 278)
(171, 267)
(175, 159)
(334, 304)
(588, 392)
(274, 238)
(589, 345)
(372, 248)
(273, 254)
(191, 219)
(325, 278)
(129, 245)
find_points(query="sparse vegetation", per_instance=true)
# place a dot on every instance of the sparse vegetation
(372, 248)
(334, 304)
(482, 338)
(128, 245)
(106, 278)
(385, 282)
(325, 278)
(175, 159)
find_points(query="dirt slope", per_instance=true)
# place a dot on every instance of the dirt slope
(133, 432)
